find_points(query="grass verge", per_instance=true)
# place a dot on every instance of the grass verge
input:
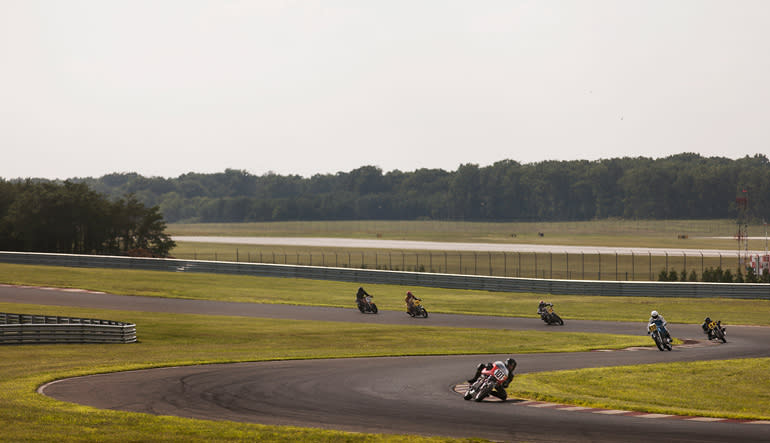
(249, 289)
(727, 388)
(176, 339)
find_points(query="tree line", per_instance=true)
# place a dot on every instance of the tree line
(683, 186)
(676, 187)
(69, 217)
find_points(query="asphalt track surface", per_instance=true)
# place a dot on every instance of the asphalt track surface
(412, 395)
(332, 242)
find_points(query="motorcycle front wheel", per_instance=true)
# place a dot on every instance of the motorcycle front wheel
(374, 308)
(658, 342)
(484, 392)
(424, 313)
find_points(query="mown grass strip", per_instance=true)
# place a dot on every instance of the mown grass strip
(726, 388)
(176, 339)
(249, 289)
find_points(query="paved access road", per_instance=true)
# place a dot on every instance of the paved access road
(392, 395)
(332, 242)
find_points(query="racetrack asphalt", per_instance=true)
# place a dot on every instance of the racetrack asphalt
(412, 395)
(321, 242)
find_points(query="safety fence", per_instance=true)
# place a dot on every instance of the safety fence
(372, 276)
(31, 328)
(616, 266)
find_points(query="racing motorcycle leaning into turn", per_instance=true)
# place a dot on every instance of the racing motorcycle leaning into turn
(417, 309)
(657, 336)
(365, 304)
(491, 379)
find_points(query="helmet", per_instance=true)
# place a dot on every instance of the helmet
(654, 314)
(510, 364)
(409, 293)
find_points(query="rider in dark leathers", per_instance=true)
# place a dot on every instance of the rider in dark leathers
(499, 391)
(709, 331)
(541, 308)
(360, 295)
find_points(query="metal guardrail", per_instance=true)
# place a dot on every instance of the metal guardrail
(371, 276)
(31, 328)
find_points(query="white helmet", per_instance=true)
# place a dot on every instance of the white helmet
(654, 314)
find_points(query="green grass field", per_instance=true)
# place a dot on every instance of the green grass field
(176, 339)
(186, 339)
(728, 388)
(250, 289)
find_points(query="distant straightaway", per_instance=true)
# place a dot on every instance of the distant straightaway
(329, 242)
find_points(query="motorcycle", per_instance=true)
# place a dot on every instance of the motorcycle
(366, 305)
(487, 381)
(717, 331)
(657, 336)
(417, 310)
(550, 317)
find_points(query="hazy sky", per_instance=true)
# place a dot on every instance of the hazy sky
(166, 87)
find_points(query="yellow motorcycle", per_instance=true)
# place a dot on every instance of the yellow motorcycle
(417, 310)
(717, 331)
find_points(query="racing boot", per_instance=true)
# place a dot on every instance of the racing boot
(500, 393)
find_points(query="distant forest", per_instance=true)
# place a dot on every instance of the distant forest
(71, 218)
(684, 186)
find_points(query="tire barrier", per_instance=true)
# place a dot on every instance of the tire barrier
(425, 279)
(31, 329)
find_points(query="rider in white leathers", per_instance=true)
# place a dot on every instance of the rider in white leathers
(661, 323)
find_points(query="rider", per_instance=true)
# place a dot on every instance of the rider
(360, 295)
(709, 331)
(705, 326)
(410, 298)
(499, 391)
(541, 308)
(661, 323)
